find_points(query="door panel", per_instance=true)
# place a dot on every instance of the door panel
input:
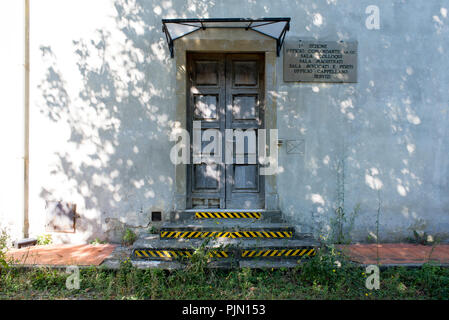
(205, 107)
(225, 91)
(245, 107)
(206, 177)
(245, 178)
(244, 110)
(206, 103)
(244, 73)
(207, 72)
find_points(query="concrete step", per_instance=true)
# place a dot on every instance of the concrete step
(227, 229)
(270, 264)
(153, 241)
(226, 214)
(215, 264)
(220, 264)
(151, 247)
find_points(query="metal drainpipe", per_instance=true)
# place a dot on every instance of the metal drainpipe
(26, 225)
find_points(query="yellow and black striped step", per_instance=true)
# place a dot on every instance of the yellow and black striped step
(227, 215)
(178, 253)
(236, 215)
(267, 234)
(170, 254)
(269, 253)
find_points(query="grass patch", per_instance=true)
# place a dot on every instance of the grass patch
(325, 276)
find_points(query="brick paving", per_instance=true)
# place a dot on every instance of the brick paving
(389, 254)
(82, 255)
(397, 253)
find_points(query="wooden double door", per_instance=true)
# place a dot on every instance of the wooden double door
(225, 91)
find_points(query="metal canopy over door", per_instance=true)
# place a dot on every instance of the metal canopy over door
(225, 91)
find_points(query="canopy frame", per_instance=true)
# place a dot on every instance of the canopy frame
(227, 23)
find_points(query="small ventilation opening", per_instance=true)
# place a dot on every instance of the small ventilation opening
(156, 216)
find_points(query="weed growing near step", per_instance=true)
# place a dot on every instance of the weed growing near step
(423, 238)
(3, 246)
(97, 241)
(342, 223)
(129, 237)
(153, 230)
(44, 239)
(197, 264)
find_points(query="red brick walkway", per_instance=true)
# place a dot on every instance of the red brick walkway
(389, 254)
(397, 253)
(81, 255)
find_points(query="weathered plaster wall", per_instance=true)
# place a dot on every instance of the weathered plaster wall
(388, 131)
(103, 103)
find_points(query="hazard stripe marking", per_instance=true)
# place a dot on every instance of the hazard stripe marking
(248, 253)
(227, 215)
(228, 234)
(164, 253)
(303, 252)
(144, 253)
